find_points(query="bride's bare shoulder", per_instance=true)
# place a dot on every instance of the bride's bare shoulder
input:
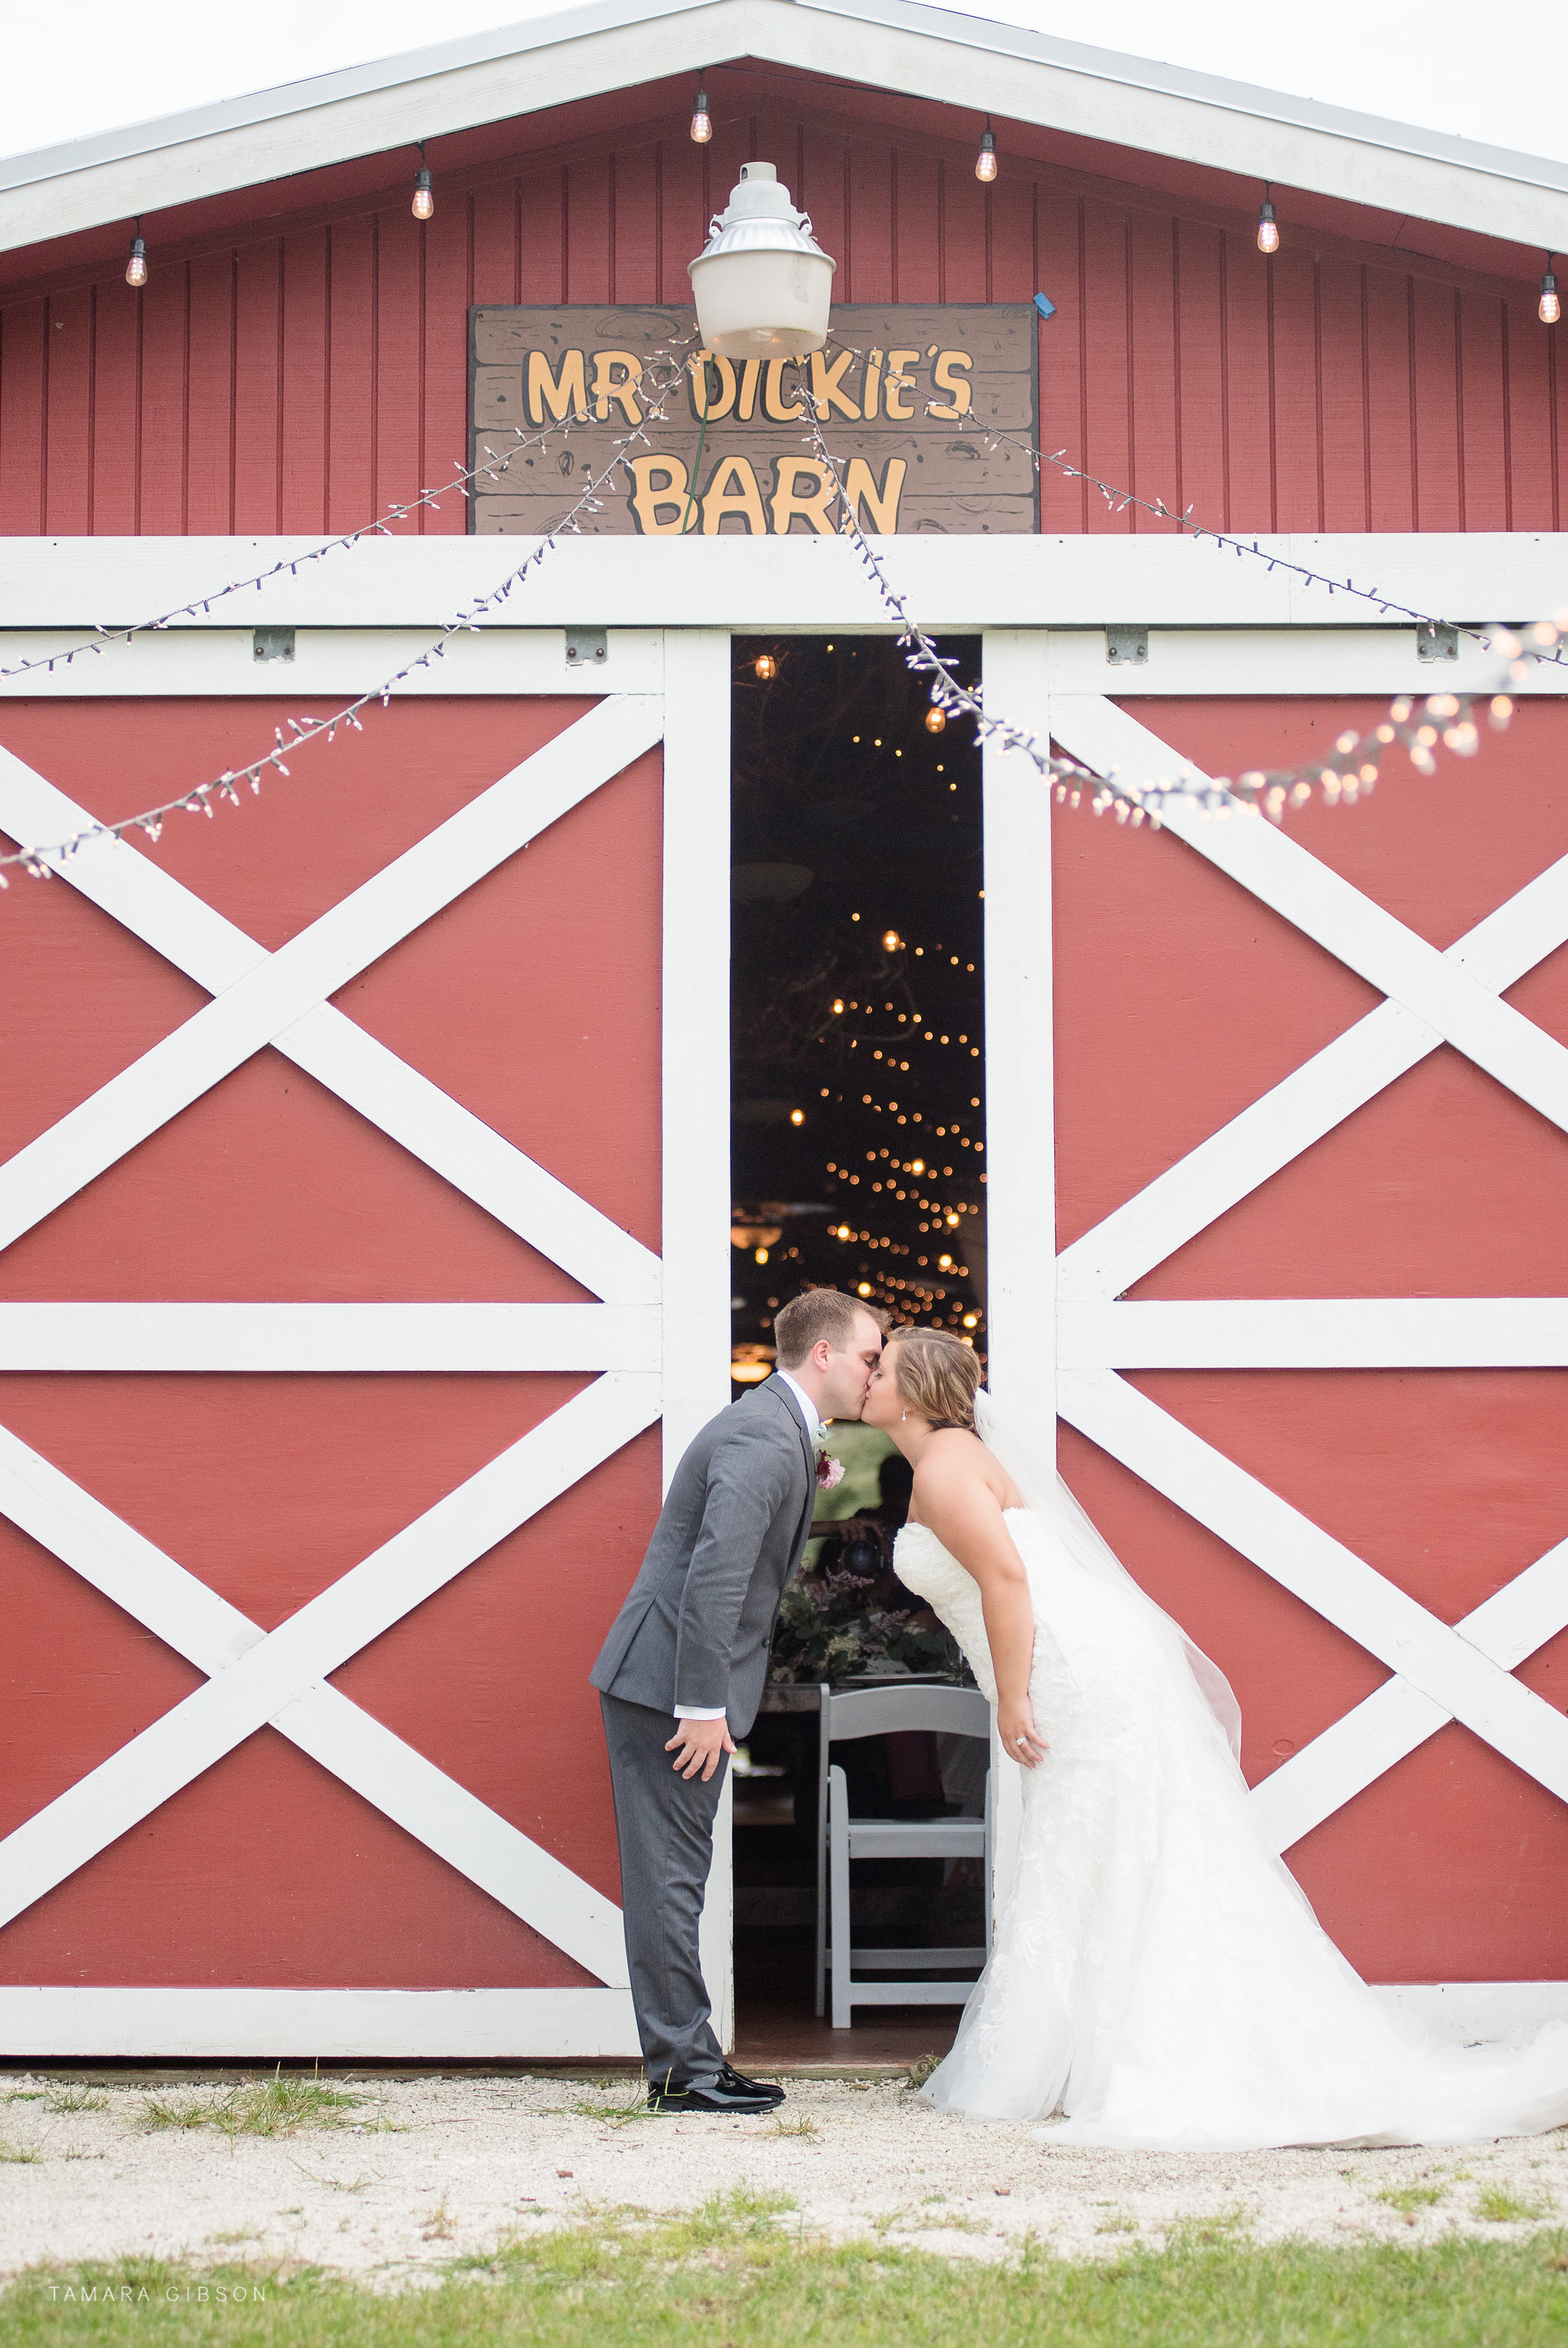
(955, 1461)
(953, 1456)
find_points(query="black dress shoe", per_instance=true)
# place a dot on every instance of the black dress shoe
(738, 2084)
(716, 2096)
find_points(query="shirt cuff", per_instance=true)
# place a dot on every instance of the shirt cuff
(699, 1711)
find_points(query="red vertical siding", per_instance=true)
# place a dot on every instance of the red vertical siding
(306, 359)
(351, 326)
(1294, 415)
(1109, 449)
(258, 334)
(69, 358)
(304, 381)
(399, 377)
(1340, 363)
(116, 378)
(210, 379)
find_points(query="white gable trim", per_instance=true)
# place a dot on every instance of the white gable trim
(895, 45)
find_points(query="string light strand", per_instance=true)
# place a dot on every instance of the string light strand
(1541, 642)
(39, 862)
(490, 468)
(1351, 769)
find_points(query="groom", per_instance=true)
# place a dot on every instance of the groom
(690, 1646)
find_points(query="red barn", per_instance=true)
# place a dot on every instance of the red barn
(365, 1205)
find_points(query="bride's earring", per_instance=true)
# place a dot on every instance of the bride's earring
(904, 1421)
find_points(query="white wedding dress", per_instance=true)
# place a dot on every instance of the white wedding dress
(1158, 1977)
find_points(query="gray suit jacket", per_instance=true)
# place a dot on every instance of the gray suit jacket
(698, 1620)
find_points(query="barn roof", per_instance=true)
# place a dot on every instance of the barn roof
(898, 45)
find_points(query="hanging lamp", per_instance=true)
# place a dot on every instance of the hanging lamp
(762, 283)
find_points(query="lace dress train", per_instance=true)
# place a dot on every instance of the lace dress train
(1159, 1980)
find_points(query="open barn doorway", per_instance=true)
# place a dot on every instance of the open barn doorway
(858, 1163)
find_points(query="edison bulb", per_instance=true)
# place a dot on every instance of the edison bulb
(701, 121)
(1268, 228)
(424, 201)
(765, 667)
(136, 267)
(796, 1117)
(936, 721)
(891, 942)
(1549, 309)
(985, 162)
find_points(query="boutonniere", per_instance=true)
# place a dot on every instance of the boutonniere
(830, 1471)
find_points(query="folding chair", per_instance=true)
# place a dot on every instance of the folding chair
(879, 1712)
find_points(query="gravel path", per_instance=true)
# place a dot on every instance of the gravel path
(424, 2169)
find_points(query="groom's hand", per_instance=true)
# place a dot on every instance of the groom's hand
(700, 1746)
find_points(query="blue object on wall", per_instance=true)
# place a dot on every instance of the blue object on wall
(1044, 305)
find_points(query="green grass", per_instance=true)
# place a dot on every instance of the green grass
(76, 2099)
(1408, 2198)
(1498, 2207)
(16, 2152)
(617, 2109)
(274, 2107)
(741, 2269)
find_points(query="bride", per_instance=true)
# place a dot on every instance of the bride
(1158, 1978)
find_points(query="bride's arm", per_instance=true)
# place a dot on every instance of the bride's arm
(965, 1514)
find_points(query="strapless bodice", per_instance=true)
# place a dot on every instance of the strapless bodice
(933, 1574)
(1096, 1669)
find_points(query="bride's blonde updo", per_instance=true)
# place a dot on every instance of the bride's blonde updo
(937, 1376)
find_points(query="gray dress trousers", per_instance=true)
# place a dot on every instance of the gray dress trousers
(695, 1630)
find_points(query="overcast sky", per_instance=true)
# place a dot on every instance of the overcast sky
(1445, 64)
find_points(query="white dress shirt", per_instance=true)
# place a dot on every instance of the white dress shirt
(812, 1418)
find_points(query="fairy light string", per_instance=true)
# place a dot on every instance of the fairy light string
(1351, 769)
(1445, 719)
(201, 606)
(39, 862)
(1540, 643)
(1544, 640)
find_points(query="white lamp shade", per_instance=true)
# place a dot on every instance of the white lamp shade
(762, 285)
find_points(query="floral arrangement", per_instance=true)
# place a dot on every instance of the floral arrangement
(844, 1621)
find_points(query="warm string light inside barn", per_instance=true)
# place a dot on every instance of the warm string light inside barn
(892, 1176)
(902, 1169)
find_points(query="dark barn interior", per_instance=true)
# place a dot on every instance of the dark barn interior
(858, 1164)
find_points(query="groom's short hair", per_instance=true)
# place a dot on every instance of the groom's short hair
(821, 1312)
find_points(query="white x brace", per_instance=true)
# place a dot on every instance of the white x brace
(1440, 1673)
(280, 1678)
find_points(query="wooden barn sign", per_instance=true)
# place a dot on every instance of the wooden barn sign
(892, 391)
